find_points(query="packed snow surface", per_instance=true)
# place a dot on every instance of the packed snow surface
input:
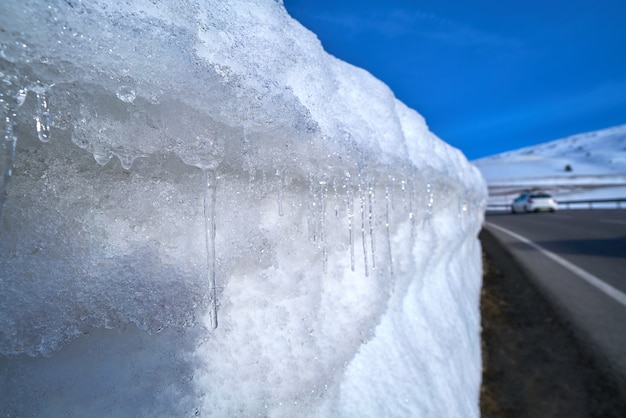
(204, 214)
(590, 165)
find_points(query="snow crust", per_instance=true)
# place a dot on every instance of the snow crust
(204, 214)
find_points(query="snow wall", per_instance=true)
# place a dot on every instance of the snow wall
(204, 214)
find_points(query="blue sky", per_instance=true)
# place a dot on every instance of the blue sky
(488, 76)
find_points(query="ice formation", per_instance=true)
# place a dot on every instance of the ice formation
(265, 230)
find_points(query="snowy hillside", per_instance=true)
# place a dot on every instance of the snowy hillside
(207, 215)
(586, 166)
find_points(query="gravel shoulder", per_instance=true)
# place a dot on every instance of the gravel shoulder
(532, 364)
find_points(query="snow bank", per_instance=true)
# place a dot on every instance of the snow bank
(207, 215)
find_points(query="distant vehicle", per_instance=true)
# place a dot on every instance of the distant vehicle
(533, 202)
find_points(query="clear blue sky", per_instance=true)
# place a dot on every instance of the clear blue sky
(488, 76)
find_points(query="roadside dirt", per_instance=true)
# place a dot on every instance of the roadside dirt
(532, 364)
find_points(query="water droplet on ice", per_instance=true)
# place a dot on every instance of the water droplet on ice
(21, 97)
(102, 159)
(126, 159)
(126, 94)
(42, 117)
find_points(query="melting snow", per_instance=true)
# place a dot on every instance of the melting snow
(265, 230)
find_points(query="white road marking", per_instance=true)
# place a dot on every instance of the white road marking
(599, 284)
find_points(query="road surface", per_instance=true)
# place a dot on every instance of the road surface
(577, 259)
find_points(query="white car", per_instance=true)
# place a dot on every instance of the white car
(534, 202)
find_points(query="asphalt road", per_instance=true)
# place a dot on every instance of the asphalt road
(577, 259)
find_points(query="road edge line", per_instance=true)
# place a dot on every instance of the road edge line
(596, 282)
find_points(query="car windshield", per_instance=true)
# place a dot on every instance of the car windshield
(540, 195)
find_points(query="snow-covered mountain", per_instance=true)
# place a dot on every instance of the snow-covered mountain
(590, 165)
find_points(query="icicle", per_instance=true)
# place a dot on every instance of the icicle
(336, 194)
(392, 194)
(430, 199)
(411, 208)
(322, 226)
(387, 199)
(209, 223)
(370, 216)
(7, 155)
(404, 199)
(42, 117)
(8, 140)
(263, 183)
(407, 203)
(247, 161)
(281, 188)
(251, 180)
(350, 213)
(363, 233)
(312, 221)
